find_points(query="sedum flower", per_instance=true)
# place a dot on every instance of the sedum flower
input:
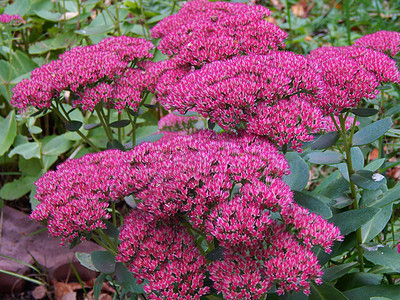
(387, 42)
(11, 19)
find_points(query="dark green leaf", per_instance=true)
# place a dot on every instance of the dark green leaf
(299, 172)
(332, 186)
(135, 113)
(31, 167)
(8, 132)
(388, 197)
(98, 285)
(210, 124)
(375, 164)
(103, 261)
(364, 112)
(367, 179)
(126, 279)
(355, 280)
(73, 125)
(351, 220)
(338, 271)
(91, 126)
(151, 105)
(86, 260)
(382, 255)
(371, 132)
(120, 123)
(111, 230)
(325, 291)
(312, 204)
(42, 110)
(216, 254)
(115, 144)
(366, 292)
(151, 138)
(325, 158)
(377, 224)
(325, 141)
(17, 188)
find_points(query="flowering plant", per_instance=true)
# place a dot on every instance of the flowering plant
(212, 202)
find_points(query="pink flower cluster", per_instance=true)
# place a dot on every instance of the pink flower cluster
(164, 255)
(73, 199)
(206, 31)
(172, 122)
(272, 95)
(230, 188)
(351, 74)
(13, 19)
(387, 42)
(92, 73)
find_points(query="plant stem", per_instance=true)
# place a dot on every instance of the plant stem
(347, 12)
(347, 143)
(99, 242)
(102, 118)
(117, 17)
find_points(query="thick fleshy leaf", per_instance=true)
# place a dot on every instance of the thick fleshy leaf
(19, 7)
(358, 279)
(325, 141)
(357, 159)
(111, 230)
(27, 150)
(366, 292)
(377, 224)
(325, 158)
(151, 138)
(187, 114)
(299, 172)
(73, 125)
(367, 179)
(92, 30)
(86, 260)
(115, 144)
(325, 291)
(48, 15)
(98, 285)
(91, 126)
(56, 146)
(103, 261)
(120, 123)
(17, 188)
(371, 132)
(216, 254)
(126, 279)
(364, 112)
(338, 271)
(389, 196)
(375, 164)
(351, 220)
(312, 204)
(8, 132)
(382, 255)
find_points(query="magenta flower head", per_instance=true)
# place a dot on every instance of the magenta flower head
(93, 74)
(164, 255)
(248, 91)
(11, 19)
(351, 74)
(387, 42)
(73, 199)
(204, 31)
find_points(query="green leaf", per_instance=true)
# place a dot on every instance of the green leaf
(8, 132)
(187, 114)
(61, 41)
(325, 141)
(332, 186)
(325, 158)
(388, 197)
(35, 130)
(371, 132)
(377, 224)
(338, 271)
(86, 260)
(126, 279)
(48, 161)
(358, 279)
(115, 144)
(73, 125)
(325, 291)
(299, 172)
(120, 123)
(111, 230)
(98, 285)
(364, 112)
(351, 220)
(357, 158)
(48, 15)
(19, 7)
(17, 188)
(382, 255)
(103, 261)
(366, 292)
(375, 164)
(145, 131)
(367, 179)
(312, 204)
(91, 126)
(31, 167)
(56, 146)
(27, 150)
(95, 30)
(151, 138)
(22, 63)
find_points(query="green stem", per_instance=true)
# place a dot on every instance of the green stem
(173, 7)
(102, 118)
(99, 242)
(117, 18)
(289, 19)
(78, 22)
(347, 143)
(113, 213)
(347, 12)
(65, 120)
